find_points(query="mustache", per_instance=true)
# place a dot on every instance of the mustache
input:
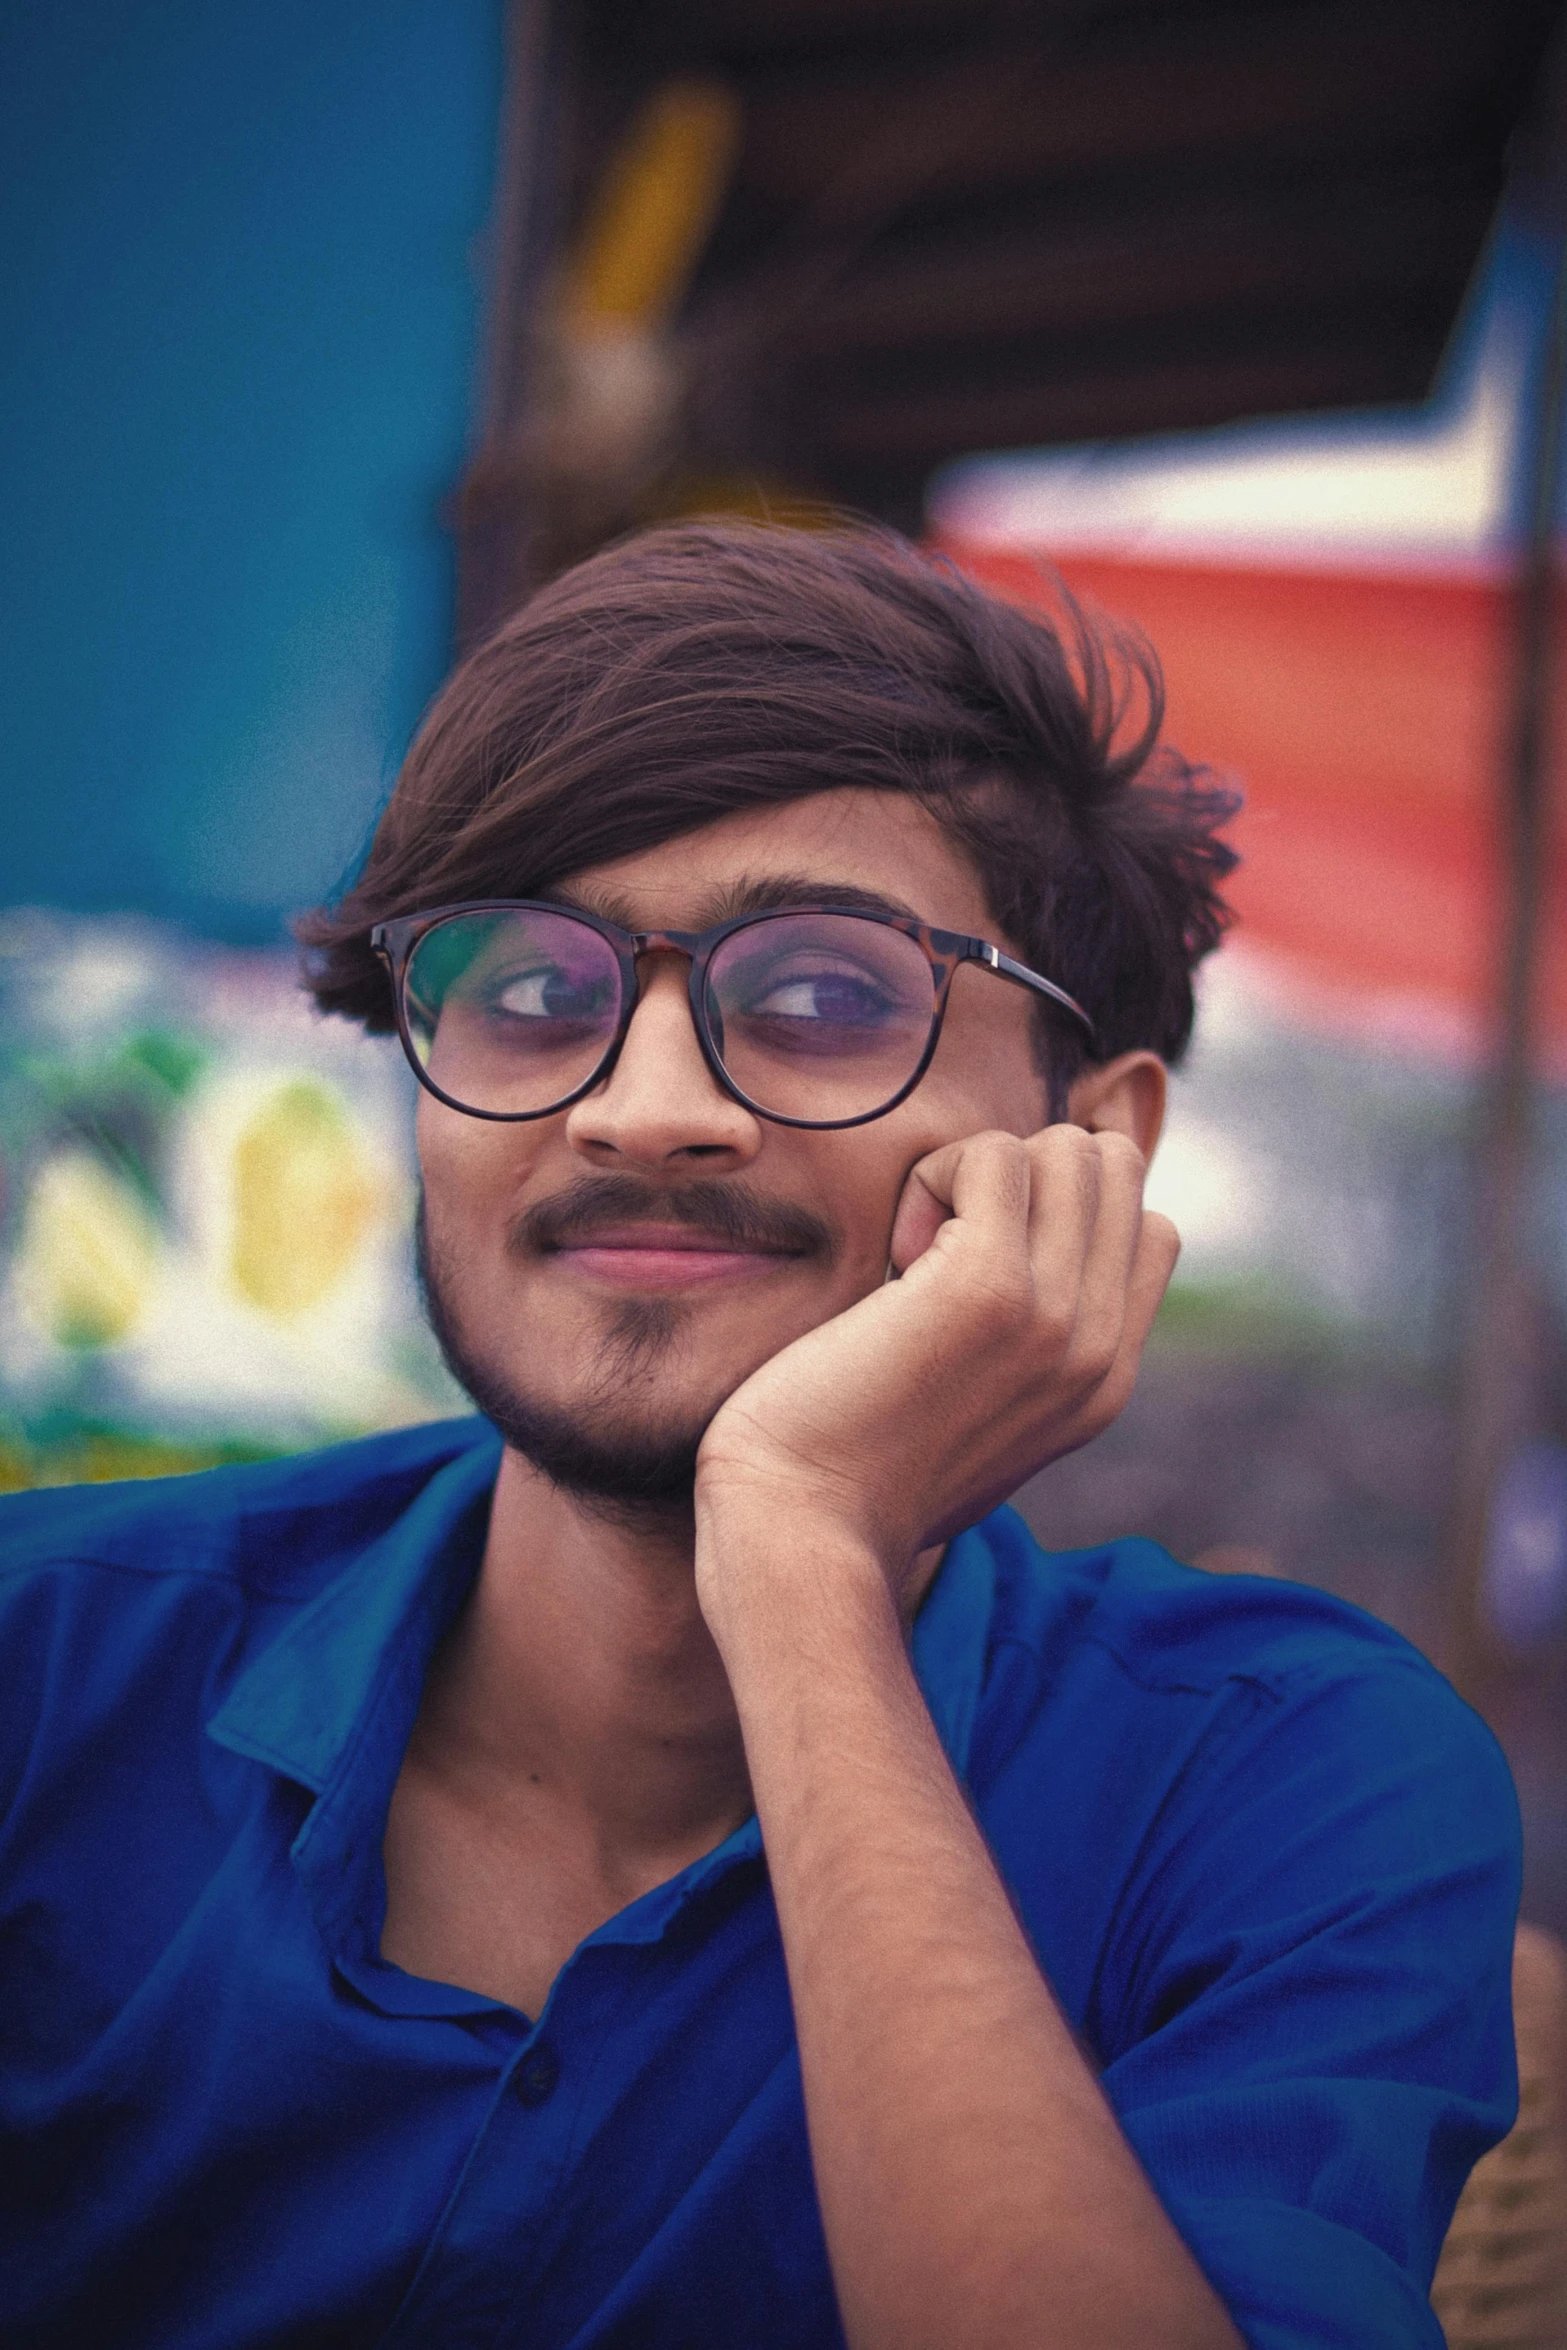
(727, 1210)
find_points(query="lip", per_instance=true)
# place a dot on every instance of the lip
(675, 1256)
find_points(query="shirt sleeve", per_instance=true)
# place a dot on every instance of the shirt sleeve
(1306, 2018)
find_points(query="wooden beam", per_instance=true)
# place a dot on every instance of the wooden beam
(494, 517)
(1371, 235)
(906, 424)
(1305, 84)
(1499, 1403)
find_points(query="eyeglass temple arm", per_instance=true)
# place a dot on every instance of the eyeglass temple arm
(1026, 978)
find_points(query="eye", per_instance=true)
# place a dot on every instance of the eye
(547, 992)
(844, 996)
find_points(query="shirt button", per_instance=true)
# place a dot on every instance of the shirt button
(536, 2076)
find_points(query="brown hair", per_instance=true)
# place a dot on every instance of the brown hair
(702, 668)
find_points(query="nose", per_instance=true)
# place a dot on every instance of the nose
(660, 1106)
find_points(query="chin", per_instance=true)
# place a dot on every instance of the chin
(618, 1468)
(599, 1446)
(619, 1445)
(622, 1435)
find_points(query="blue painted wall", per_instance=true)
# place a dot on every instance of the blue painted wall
(239, 329)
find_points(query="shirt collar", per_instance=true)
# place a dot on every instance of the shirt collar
(332, 1701)
(301, 1704)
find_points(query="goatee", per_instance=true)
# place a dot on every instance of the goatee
(623, 1464)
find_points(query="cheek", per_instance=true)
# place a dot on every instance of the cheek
(470, 1170)
(987, 1074)
(984, 1081)
(868, 1184)
(441, 1154)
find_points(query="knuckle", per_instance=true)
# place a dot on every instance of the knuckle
(1084, 1156)
(1115, 1393)
(1103, 1391)
(1007, 1160)
(1099, 1358)
(1119, 1152)
(1054, 1327)
(1162, 1234)
(1064, 1141)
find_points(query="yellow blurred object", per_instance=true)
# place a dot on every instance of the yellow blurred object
(759, 497)
(655, 209)
(303, 1200)
(102, 1457)
(88, 1254)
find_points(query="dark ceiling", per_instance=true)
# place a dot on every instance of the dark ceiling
(946, 228)
(965, 227)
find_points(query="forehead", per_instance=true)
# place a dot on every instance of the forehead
(883, 843)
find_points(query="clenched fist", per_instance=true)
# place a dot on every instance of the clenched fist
(1030, 1274)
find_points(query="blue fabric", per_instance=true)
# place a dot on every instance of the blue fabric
(1266, 1858)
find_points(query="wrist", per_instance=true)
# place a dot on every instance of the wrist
(790, 1592)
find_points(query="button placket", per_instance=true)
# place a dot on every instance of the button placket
(506, 2236)
(537, 2075)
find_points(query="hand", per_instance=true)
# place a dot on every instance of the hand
(1031, 1273)
(969, 2171)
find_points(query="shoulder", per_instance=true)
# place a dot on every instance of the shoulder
(106, 1590)
(1127, 1633)
(1218, 1730)
(1270, 1862)
(279, 1528)
(1169, 1627)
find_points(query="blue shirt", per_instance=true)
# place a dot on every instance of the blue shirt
(1267, 1860)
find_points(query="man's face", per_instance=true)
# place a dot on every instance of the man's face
(605, 1278)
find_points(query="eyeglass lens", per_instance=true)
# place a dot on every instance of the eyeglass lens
(821, 1017)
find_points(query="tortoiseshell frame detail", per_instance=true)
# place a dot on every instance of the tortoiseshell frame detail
(944, 950)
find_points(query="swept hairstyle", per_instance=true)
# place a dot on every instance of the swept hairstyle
(701, 668)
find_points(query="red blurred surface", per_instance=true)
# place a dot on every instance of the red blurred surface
(1366, 717)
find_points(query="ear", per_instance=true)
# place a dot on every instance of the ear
(1123, 1096)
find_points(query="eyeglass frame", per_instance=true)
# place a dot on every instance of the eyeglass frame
(396, 940)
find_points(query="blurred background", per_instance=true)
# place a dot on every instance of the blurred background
(330, 329)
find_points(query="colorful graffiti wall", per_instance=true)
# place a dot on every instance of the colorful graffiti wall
(205, 1204)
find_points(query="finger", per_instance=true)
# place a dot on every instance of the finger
(1158, 1251)
(982, 1181)
(1064, 1209)
(1115, 1239)
(921, 1212)
(1158, 1248)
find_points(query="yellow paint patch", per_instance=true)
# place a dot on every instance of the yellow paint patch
(89, 1251)
(646, 230)
(304, 1200)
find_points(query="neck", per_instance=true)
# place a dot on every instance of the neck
(582, 1672)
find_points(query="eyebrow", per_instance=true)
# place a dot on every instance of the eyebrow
(749, 894)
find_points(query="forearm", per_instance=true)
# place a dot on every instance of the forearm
(976, 2189)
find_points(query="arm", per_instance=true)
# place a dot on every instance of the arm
(975, 2186)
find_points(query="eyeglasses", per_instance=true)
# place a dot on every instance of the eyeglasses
(511, 1008)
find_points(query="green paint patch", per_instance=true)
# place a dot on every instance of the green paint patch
(100, 1456)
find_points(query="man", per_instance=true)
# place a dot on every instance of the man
(670, 1862)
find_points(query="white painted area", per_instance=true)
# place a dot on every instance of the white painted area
(1215, 1192)
(1358, 491)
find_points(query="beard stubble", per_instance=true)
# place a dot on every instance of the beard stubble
(615, 1449)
